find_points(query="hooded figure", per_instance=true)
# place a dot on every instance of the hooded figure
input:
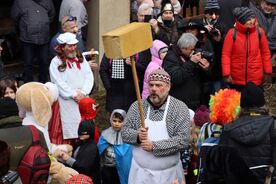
(250, 135)
(158, 52)
(111, 142)
(85, 158)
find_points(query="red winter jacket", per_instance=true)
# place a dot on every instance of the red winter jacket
(248, 57)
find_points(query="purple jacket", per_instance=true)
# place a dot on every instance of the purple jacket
(155, 63)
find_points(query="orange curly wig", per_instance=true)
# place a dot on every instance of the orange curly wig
(224, 106)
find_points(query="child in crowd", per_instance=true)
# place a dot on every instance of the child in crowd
(86, 159)
(9, 110)
(8, 88)
(158, 52)
(88, 112)
(224, 108)
(116, 155)
(201, 117)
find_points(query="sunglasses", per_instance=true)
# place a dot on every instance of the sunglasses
(70, 19)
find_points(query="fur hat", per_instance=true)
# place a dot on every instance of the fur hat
(87, 108)
(166, 6)
(202, 115)
(211, 5)
(243, 14)
(37, 98)
(160, 75)
(252, 96)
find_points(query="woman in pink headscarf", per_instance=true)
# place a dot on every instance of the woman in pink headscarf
(158, 52)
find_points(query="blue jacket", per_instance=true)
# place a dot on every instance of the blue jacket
(123, 156)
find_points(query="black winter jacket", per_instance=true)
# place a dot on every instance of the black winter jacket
(186, 78)
(250, 135)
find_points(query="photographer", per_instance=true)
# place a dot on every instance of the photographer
(144, 10)
(216, 34)
(167, 25)
(187, 69)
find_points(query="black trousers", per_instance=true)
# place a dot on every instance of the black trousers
(29, 51)
(110, 175)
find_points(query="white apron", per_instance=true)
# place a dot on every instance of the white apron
(149, 169)
(69, 109)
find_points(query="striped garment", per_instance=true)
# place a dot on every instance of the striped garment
(178, 126)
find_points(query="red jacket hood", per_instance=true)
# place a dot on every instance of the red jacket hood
(241, 28)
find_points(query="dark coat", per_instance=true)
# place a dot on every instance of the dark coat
(86, 154)
(33, 17)
(186, 78)
(224, 165)
(226, 15)
(250, 136)
(169, 33)
(216, 48)
(120, 93)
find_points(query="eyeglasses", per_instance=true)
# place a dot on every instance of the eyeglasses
(70, 19)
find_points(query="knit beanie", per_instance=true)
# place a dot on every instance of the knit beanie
(202, 115)
(87, 107)
(160, 75)
(243, 14)
(166, 6)
(252, 96)
(212, 4)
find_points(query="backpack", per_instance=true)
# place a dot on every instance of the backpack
(29, 155)
(34, 166)
(211, 139)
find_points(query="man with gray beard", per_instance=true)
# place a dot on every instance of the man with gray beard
(156, 147)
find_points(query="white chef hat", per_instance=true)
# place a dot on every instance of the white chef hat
(67, 38)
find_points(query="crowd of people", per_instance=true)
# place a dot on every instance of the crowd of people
(201, 84)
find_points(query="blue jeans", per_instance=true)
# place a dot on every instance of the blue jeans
(29, 51)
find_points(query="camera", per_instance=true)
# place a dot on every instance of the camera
(204, 54)
(9, 178)
(214, 32)
(148, 18)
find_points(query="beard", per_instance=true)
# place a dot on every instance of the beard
(157, 100)
(71, 54)
(167, 22)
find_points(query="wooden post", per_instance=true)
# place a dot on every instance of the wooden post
(137, 90)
